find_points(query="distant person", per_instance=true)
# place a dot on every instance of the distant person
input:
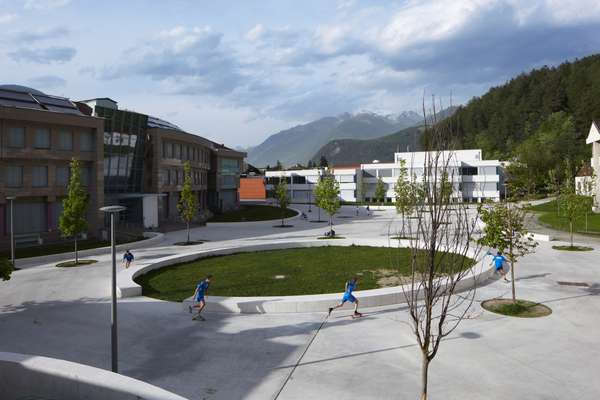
(199, 297)
(348, 296)
(498, 260)
(357, 211)
(368, 210)
(303, 215)
(128, 258)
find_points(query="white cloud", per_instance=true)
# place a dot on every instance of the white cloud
(7, 18)
(44, 4)
(255, 33)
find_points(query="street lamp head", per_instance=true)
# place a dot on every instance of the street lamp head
(112, 209)
(11, 197)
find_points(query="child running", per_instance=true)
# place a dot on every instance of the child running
(498, 261)
(348, 296)
(128, 258)
(199, 294)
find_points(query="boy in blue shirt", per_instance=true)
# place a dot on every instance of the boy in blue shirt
(127, 258)
(498, 261)
(199, 300)
(348, 296)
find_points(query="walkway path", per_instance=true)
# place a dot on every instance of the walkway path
(65, 313)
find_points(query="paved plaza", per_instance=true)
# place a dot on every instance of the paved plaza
(65, 313)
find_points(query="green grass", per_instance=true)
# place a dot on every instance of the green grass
(72, 263)
(521, 308)
(310, 270)
(62, 247)
(251, 212)
(547, 214)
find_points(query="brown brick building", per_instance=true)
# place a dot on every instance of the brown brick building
(39, 135)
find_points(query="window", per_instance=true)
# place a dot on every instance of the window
(86, 141)
(39, 176)
(62, 176)
(65, 140)
(16, 137)
(169, 150)
(86, 173)
(369, 173)
(177, 151)
(385, 173)
(298, 179)
(42, 138)
(13, 176)
(469, 170)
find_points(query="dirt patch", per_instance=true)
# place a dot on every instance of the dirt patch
(389, 277)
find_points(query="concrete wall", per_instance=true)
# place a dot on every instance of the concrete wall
(25, 376)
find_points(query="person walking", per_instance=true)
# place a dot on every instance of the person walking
(348, 296)
(498, 261)
(128, 258)
(199, 297)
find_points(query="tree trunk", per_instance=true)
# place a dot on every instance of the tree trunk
(76, 255)
(331, 225)
(571, 230)
(188, 231)
(512, 275)
(319, 217)
(586, 221)
(424, 374)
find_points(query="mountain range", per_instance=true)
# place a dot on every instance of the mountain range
(300, 143)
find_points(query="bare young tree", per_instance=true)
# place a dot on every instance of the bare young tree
(441, 248)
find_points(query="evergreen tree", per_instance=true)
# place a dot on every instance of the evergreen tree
(323, 162)
(327, 197)
(73, 221)
(188, 202)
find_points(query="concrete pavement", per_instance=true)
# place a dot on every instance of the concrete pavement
(65, 313)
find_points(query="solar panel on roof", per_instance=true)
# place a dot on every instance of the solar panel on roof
(54, 101)
(19, 104)
(63, 110)
(6, 94)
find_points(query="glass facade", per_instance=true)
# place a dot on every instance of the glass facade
(124, 139)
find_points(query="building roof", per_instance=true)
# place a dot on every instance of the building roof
(99, 98)
(594, 135)
(17, 96)
(155, 122)
(585, 170)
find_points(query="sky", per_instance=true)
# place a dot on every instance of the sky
(238, 71)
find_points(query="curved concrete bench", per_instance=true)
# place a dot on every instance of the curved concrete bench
(305, 303)
(25, 376)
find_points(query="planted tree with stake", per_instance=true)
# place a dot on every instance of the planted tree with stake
(73, 221)
(505, 231)
(188, 202)
(440, 254)
(573, 207)
(281, 194)
(405, 199)
(327, 197)
(380, 191)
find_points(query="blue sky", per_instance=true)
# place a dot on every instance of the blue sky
(238, 71)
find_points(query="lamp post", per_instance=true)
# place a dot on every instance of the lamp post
(113, 210)
(12, 231)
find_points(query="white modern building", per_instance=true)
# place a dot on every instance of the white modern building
(473, 179)
(594, 139)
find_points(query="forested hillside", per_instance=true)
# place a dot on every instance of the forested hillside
(507, 115)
